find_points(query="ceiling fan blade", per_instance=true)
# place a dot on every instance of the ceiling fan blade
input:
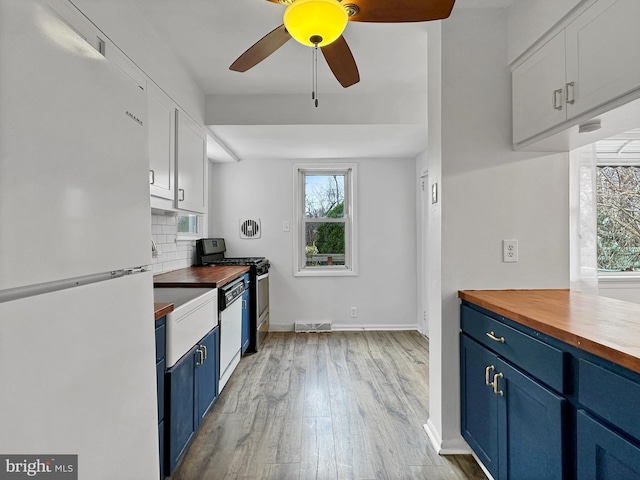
(260, 50)
(385, 11)
(340, 59)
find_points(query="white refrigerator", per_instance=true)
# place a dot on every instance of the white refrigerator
(77, 361)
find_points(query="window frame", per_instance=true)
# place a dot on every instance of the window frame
(615, 277)
(300, 171)
(200, 227)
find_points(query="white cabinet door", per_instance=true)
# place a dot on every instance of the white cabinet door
(536, 107)
(191, 164)
(161, 123)
(603, 54)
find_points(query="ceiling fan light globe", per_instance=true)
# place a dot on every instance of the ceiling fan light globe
(307, 19)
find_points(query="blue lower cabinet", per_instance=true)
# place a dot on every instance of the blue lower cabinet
(531, 427)
(160, 369)
(514, 424)
(479, 403)
(604, 454)
(191, 388)
(246, 317)
(207, 373)
(181, 420)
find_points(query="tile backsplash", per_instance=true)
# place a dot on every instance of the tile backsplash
(172, 254)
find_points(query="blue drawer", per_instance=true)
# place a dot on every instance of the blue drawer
(529, 354)
(611, 396)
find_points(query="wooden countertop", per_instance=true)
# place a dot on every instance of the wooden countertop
(199, 277)
(161, 309)
(603, 326)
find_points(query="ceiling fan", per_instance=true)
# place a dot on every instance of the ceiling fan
(320, 23)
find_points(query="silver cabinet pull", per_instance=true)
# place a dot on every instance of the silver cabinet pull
(182, 191)
(570, 99)
(152, 177)
(495, 384)
(204, 348)
(493, 337)
(201, 354)
(487, 372)
(557, 104)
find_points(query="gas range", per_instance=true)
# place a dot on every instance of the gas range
(261, 264)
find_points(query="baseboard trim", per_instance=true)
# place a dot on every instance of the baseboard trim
(448, 447)
(290, 327)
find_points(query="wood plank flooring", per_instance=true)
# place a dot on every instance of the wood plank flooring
(340, 405)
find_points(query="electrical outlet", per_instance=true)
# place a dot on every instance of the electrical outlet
(509, 250)
(354, 312)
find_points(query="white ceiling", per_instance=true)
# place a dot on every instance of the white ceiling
(208, 35)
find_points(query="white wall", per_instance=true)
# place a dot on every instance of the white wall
(488, 193)
(384, 290)
(531, 19)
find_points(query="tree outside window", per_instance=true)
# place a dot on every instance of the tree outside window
(618, 222)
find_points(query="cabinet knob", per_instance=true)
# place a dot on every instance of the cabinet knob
(495, 384)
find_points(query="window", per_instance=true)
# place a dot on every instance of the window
(618, 213)
(618, 204)
(189, 227)
(325, 220)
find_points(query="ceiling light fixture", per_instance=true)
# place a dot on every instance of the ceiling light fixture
(315, 22)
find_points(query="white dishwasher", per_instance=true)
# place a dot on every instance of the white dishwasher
(230, 305)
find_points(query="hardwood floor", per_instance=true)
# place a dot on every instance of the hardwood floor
(340, 405)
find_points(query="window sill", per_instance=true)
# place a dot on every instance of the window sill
(631, 279)
(325, 272)
(185, 237)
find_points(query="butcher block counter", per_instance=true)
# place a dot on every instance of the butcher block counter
(599, 325)
(160, 309)
(199, 277)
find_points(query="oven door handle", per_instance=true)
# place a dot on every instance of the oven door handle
(263, 276)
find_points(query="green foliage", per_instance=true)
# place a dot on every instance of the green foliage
(330, 236)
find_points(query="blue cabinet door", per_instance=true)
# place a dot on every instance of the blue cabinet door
(531, 423)
(207, 372)
(182, 421)
(479, 406)
(246, 317)
(604, 454)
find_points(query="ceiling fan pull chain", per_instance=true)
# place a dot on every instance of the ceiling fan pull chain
(315, 74)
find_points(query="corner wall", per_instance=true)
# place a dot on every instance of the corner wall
(488, 193)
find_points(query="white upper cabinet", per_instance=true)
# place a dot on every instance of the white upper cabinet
(603, 54)
(191, 165)
(582, 71)
(538, 89)
(161, 123)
